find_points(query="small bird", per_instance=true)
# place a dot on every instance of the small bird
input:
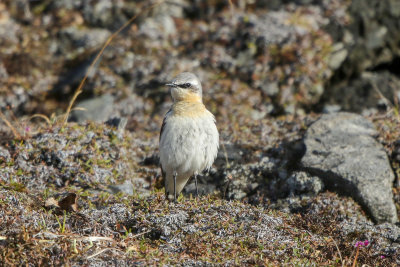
(189, 138)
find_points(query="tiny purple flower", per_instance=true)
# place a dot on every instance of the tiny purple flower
(383, 256)
(360, 244)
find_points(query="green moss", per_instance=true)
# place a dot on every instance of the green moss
(14, 186)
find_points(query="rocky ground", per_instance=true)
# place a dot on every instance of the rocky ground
(305, 94)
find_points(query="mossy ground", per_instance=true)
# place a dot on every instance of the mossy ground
(41, 71)
(119, 229)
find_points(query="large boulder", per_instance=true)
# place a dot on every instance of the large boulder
(342, 151)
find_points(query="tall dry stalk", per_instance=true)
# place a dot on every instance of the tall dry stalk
(12, 128)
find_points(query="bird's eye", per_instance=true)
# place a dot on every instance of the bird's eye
(185, 85)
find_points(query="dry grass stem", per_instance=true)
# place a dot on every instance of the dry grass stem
(356, 257)
(340, 254)
(12, 128)
(44, 117)
(97, 253)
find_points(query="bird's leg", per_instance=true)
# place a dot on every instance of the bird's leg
(175, 174)
(195, 182)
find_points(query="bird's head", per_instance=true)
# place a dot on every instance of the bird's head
(186, 87)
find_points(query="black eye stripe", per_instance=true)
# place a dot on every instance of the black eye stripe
(185, 85)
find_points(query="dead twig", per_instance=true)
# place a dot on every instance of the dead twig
(41, 116)
(340, 254)
(356, 257)
(97, 253)
(12, 128)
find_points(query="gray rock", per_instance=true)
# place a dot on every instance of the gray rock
(67, 4)
(119, 123)
(126, 64)
(8, 29)
(339, 54)
(97, 109)
(175, 9)
(304, 183)
(376, 38)
(4, 154)
(169, 223)
(204, 189)
(17, 98)
(99, 13)
(331, 109)
(270, 28)
(341, 150)
(270, 89)
(131, 187)
(3, 72)
(106, 13)
(79, 40)
(159, 27)
(126, 188)
(229, 153)
(242, 180)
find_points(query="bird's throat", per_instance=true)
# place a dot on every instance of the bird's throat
(185, 95)
(189, 108)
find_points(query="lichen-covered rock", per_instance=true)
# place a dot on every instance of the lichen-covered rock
(342, 151)
(303, 183)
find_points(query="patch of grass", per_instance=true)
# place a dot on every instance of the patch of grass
(154, 232)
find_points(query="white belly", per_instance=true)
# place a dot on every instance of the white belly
(188, 145)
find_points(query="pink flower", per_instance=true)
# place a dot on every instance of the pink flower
(382, 256)
(360, 244)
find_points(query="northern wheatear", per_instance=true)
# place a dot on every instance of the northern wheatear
(189, 138)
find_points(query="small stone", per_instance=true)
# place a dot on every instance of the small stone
(82, 39)
(119, 123)
(270, 89)
(338, 56)
(331, 109)
(97, 109)
(204, 189)
(376, 38)
(4, 155)
(159, 27)
(126, 188)
(304, 183)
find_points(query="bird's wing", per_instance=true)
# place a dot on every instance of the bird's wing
(164, 122)
(163, 174)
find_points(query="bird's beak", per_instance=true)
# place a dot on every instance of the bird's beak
(171, 84)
